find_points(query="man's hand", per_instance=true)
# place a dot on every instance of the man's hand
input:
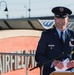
(70, 64)
(58, 64)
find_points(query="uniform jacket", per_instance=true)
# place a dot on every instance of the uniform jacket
(49, 48)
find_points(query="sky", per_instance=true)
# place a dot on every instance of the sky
(39, 8)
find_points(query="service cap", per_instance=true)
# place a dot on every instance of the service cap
(61, 12)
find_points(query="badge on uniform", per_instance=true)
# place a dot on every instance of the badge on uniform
(51, 46)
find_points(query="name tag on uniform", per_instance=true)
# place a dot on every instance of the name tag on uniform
(51, 46)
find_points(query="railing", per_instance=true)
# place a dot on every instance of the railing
(7, 59)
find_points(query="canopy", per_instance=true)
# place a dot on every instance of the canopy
(29, 24)
(20, 24)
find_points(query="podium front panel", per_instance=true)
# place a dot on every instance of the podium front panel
(62, 73)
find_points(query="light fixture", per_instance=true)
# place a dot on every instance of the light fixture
(6, 9)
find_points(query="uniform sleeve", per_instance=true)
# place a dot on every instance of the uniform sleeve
(41, 56)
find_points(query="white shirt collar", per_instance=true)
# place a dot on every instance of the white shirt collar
(60, 31)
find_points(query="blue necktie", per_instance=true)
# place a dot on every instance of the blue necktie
(61, 41)
(61, 38)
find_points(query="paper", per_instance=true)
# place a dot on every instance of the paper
(65, 64)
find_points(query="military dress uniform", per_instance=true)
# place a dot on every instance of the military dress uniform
(49, 46)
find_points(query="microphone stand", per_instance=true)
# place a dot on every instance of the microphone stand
(41, 65)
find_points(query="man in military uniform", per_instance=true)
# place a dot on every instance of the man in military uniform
(56, 42)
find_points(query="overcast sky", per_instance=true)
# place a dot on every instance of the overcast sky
(19, 8)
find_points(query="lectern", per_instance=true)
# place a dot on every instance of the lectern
(62, 73)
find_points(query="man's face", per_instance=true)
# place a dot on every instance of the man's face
(61, 22)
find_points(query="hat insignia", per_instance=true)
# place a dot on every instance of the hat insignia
(61, 9)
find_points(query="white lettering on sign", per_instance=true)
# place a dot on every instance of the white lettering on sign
(15, 62)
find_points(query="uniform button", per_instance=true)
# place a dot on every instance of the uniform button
(62, 52)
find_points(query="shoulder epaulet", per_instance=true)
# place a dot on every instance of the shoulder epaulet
(48, 30)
